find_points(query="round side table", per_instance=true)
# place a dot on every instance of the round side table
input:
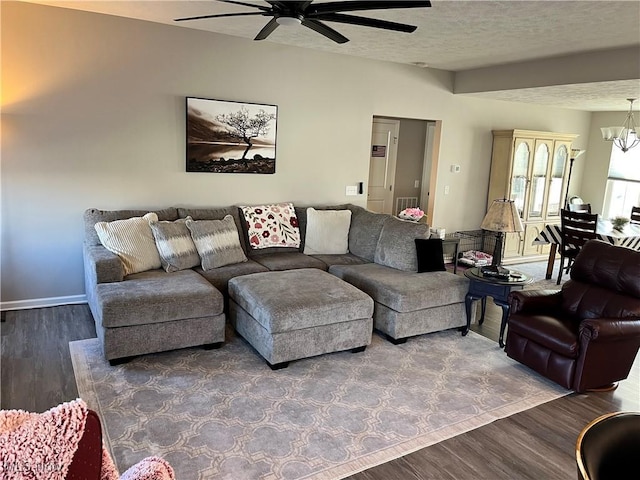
(483, 286)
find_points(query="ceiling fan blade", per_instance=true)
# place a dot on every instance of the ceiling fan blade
(325, 30)
(352, 6)
(366, 22)
(267, 29)
(294, 6)
(245, 4)
(218, 16)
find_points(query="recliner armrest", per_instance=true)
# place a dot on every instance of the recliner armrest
(101, 265)
(535, 301)
(604, 329)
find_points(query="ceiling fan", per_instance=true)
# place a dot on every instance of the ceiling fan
(310, 15)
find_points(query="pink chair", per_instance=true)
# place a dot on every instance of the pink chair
(68, 443)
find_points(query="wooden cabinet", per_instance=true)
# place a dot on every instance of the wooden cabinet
(530, 168)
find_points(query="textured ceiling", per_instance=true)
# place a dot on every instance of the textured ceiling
(451, 35)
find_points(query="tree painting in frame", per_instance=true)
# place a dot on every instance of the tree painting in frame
(230, 137)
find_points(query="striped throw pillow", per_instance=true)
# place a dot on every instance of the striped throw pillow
(175, 245)
(217, 242)
(132, 240)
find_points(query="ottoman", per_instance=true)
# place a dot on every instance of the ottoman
(294, 314)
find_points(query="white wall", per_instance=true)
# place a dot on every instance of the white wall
(93, 116)
(598, 157)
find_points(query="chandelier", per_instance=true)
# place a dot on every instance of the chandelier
(626, 136)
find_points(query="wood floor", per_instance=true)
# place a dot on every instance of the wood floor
(536, 444)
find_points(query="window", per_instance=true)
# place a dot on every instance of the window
(623, 183)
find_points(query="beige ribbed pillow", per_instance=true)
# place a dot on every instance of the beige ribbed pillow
(132, 240)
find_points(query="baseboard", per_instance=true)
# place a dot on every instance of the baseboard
(42, 302)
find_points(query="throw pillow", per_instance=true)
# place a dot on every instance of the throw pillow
(217, 242)
(273, 225)
(327, 232)
(396, 247)
(132, 240)
(430, 255)
(175, 245)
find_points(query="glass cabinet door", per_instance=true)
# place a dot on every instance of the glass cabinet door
(538, 181)
(520, 174)
(554, 201)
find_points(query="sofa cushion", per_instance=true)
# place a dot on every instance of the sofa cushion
(289, 261)
(272, 225)
(327, 231)
(404, 291)
(217, 242)
(156, 296)
(93, 216)
(219, 277)
(396, 246)
(175, 245)
(216, 214)
(132, 240)
(430, 255)
(344, 259)
(364, 232)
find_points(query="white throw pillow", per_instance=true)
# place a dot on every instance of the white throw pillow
(132, 240)
(327, 232)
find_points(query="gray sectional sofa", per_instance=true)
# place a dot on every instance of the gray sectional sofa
(156, 311)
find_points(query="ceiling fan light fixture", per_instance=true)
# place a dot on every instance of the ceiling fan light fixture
(289, 21)
(624, 137)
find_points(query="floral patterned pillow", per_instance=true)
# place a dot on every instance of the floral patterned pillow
(273, 225)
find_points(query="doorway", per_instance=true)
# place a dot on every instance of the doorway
(403, 164)
(382, 165)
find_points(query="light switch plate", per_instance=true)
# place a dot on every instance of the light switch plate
(351, 190)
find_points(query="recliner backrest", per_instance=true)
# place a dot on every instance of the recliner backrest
(605, 282)
(615, 268)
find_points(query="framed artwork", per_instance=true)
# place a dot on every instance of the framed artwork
(230, 137)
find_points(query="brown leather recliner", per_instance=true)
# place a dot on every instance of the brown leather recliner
(587, 335)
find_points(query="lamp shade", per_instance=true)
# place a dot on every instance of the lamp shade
(502, 217)
(576, 152)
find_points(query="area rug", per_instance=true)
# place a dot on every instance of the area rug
(225, 414)
(543, 285)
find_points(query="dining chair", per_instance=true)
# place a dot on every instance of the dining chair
(635, 215)
(580, 207)
(576, 228)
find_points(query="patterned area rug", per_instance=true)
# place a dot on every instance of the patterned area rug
(224, 414)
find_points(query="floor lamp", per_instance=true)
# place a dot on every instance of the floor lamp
(502, 218)
(575, 153)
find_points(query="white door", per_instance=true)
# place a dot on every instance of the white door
(382, 165)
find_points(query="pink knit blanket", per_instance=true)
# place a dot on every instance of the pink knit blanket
(41, 446)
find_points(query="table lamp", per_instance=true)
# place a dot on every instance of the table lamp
(502, 218)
